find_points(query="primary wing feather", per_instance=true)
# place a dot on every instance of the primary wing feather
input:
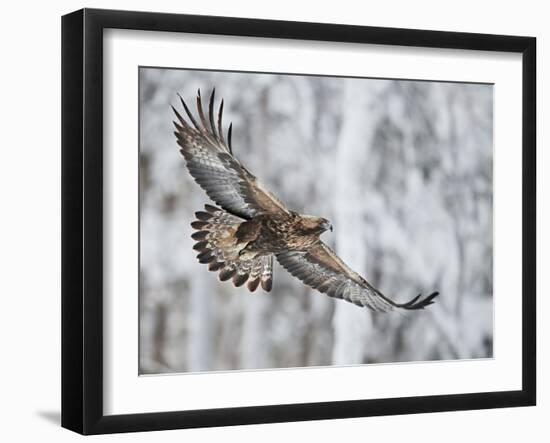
(210, 161)
(320, 268)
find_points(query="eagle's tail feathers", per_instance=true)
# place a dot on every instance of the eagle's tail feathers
(218, 247)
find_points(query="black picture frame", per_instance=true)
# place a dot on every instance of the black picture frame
(82, 220)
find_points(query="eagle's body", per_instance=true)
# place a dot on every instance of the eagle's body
(252, 226)
(265, 234)
(243, 245)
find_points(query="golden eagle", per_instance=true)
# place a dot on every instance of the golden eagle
(240, 239)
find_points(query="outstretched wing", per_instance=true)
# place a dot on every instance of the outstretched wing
(320, 268)
(211, 162)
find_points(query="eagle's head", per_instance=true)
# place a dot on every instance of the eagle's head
(312, 224)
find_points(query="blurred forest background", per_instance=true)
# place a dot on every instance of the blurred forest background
(402, 169)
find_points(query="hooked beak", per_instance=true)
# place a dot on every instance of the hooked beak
(327, 225)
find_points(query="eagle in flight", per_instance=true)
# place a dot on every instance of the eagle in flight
(251, 226)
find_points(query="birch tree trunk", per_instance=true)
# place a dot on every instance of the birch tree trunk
(199, 318)
(253, 344)
(351, 323)
(200, 334)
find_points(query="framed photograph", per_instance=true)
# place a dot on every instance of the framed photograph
(269, 221)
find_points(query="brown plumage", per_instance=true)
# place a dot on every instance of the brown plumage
(240, 239)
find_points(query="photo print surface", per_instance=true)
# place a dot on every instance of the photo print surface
(396, 179)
